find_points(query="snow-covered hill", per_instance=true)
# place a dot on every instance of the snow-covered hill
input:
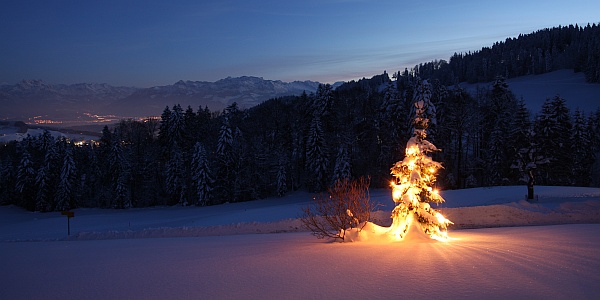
(535, 89)
(222, 252)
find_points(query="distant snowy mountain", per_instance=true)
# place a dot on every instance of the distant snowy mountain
(247, 91)
(29, 98)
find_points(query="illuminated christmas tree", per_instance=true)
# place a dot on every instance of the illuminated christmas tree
(413, 186)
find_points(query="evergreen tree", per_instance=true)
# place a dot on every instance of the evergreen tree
(553, 137)
(281, 179)
(323, 101)
(65, 193)
(201, 175)
(25, 184)
(163, 130)
(342, 165)
(415, 178)
(457, 135)
(46, 179)
(176, 127)
(119, 174)
(392, 126)
(175, 176)
(497, 127)
(581, 150)
(225, 141)
(316, 155)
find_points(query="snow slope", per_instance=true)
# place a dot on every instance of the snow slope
(535, 89)
(215, 253)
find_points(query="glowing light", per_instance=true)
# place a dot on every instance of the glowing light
(416, 173)
(441, 218)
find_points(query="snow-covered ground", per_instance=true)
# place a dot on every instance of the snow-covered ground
(259, 250)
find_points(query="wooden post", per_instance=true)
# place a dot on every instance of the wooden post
(530, 183)
(69, 215)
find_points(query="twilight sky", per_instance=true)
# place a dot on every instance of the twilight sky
(148, 43)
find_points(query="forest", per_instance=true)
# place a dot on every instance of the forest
(308, 142)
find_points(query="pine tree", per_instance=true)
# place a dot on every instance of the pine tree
(225, 141)
(119, 174)
(176, 127)
(65, 191)
(392, 124)
(342, 165)
(45, 180)
(175, 179)
(581, 150)
(201, 175)
(527, 156)
(553, 137)
(26, 180)
(456, 135)
(163, 128)
(413, 188)
(501, 105)
(281, 179)
(323, 101)
(316, 155)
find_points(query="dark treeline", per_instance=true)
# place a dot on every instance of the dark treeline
(569, 47)
(360, 129)
(307, 142)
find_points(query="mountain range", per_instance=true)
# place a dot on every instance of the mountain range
(30, 98)
(36, 101)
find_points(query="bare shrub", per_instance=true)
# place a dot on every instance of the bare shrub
(347, 204)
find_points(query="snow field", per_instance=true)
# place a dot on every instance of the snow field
(215, 252)
(553, 262)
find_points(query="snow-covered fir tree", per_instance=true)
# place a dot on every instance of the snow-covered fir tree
(201, 175)
(119, 174)
(281, 179)
(582, 150)
(176, 127)
(65, 193)
(25, 184)
(392, 126)
(225, 141)
(45, 181)
(163, 128)
(342, 165)
(497, 126)
(175, 172)
(413, 187)
(316, 155)
(553, 131)
(323, 101)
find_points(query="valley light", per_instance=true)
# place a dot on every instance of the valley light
(416, 175)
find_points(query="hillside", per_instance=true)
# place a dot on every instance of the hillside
(535, 89)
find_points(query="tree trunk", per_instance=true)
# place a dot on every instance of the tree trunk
(530, 186)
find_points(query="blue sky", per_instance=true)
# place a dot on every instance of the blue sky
(148, 43)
